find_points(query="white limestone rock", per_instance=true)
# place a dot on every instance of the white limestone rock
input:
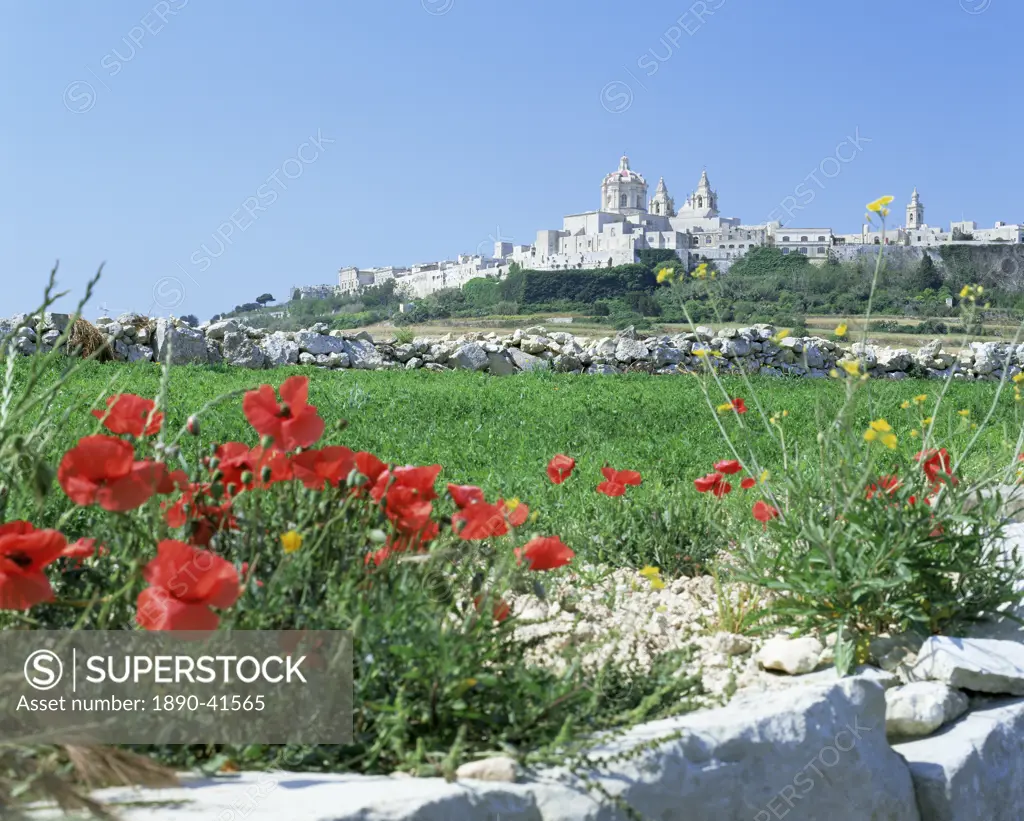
(501, 363)
(921, 707)
(972, 769)
(218, 329)
(187, 345)
(527, 362)
(238, 350)
(630, 350)
(362, 354)
(278, 350)
(983, 665)
(470, 357)
(315, 343)
(140, 353)
(792, 656)
(497, 768)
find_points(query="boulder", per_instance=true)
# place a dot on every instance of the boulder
(630, 350)
(218, 329)
(793, 656)
(140, 353)
(502, 364)
(239, 350)
(186, 345)
(497, 768)
(278, 350)
(921, 707)
(363, 355)
(315, 343)
(470, 357)
(526, 362)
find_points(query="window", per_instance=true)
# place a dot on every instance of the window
(721, 246)
(785, 239)
(803, 251)
(732, 246)
(707, 240)
(821, 250)
(622, 200)
(785, 251)
(877, 242)
(700, 202)
(821, 239)
(803, 239)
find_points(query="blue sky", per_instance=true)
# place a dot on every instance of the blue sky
(324, 133)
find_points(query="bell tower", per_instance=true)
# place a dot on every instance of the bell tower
(915, 211)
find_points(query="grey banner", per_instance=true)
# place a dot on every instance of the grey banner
(136, 687)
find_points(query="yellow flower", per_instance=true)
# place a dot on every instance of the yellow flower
(964, 413)
(700, 271)
(763, 477)
(914, 433)
(834, 373)
(1018, 378)
(851, 367)
(653, 575)
(841, 329)
(878, 205)
(666, 275)
(965, 291)
(701, 352)
(785, 413)
(780, 336)
(905, 404)
(291, 541)
(920, 399)
(881, 431)
(927, 421)
(725, 407)
(512, 504)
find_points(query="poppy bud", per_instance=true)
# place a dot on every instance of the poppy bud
(341, 424)
(217, 475)
(266, 441)
(266, 473)
(538, 590)
(213, 463)
(377, 535)
(192, 426)
(247, 477)
(232, 489)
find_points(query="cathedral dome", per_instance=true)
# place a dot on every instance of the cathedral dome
(625, 173)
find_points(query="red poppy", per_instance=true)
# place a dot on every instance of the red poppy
(131, 414)
(748, 483)
(728, 466)
(292, 424)
(500, 610)
(721, 489)
(739, 405)
(413, 541)
(480, 521)
(378, 557)
(81, 549)
(515, 511)
(234, 459)
(709, 482)
(889, 483)
(185, 582)
(102, 470)
(202, 513)
(764, 512)
(371, 467)
(545, 553)
(420, 480)
(616, 481)
(331, 465)
(270, 466)
(24, 553)
(560, 468)
(408, 512)
(936, 466)
(464, 495)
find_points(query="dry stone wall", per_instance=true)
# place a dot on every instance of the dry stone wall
(755, 350)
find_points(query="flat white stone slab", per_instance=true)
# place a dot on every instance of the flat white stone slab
(984, 665)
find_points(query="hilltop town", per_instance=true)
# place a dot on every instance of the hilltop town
(627, 221)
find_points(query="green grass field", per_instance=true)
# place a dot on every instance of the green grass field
(500, 433)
